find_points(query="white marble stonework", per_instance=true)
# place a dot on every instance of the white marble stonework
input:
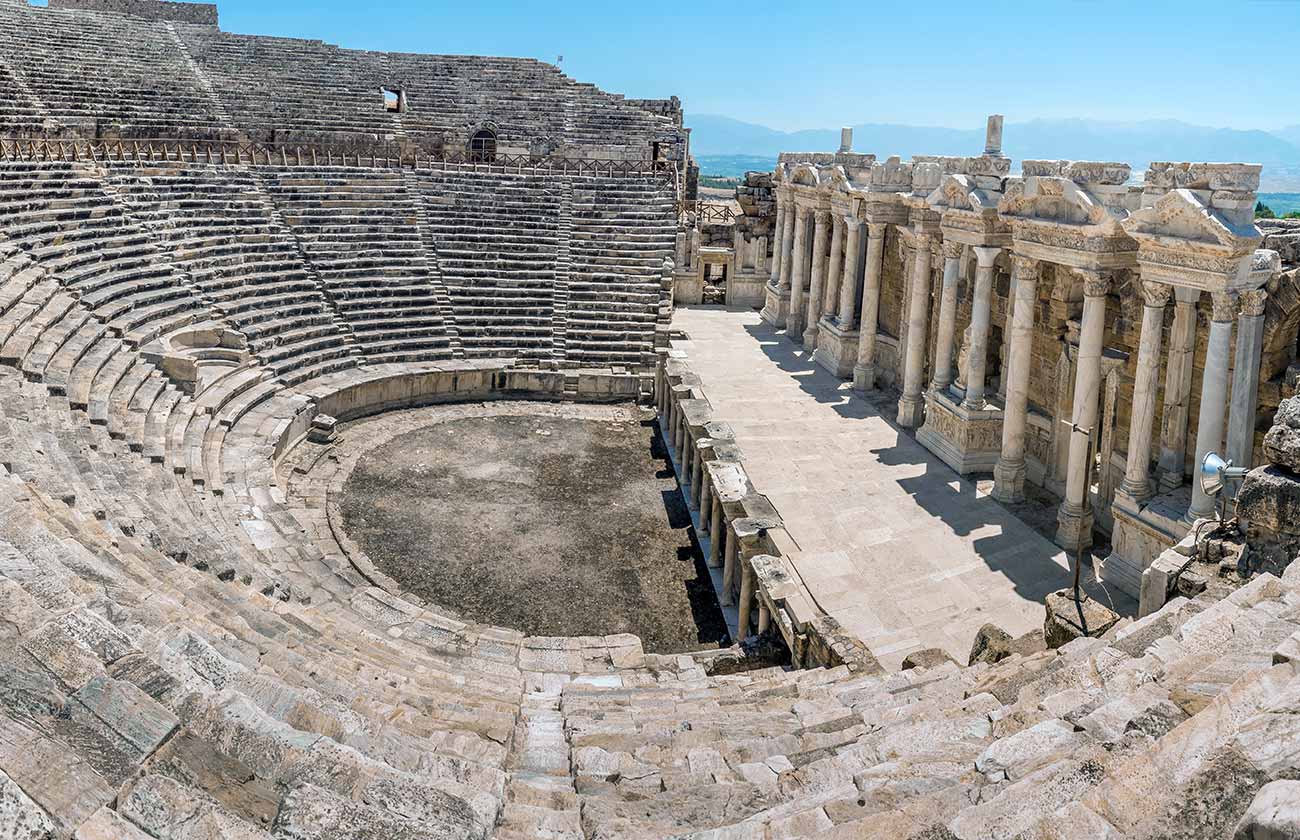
(898, 548)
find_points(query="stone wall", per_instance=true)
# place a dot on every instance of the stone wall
(202, 13)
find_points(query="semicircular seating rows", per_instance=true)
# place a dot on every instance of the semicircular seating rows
(100, 74)
(189, 651)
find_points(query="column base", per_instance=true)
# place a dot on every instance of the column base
(1073, 527)
(1141, 533)
(864, 378)
(911, 411)
(810, 334)
(837, 349)
(1209, 508)
(1009, 482)
(968, 441)
(794, 325)
(776, 305)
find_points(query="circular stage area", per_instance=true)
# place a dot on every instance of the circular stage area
(552, 519)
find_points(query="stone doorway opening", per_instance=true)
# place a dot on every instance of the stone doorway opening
(394, 100)
(483, 146)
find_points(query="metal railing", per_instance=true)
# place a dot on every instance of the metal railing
(242, 152)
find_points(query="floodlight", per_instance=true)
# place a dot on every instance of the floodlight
(1216, 473)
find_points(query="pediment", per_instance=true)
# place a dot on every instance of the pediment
(805, 174)
(1182, 214)
(835, 179)
(958, 192)
(1058, 200)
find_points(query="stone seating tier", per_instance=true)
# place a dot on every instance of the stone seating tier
(190, 654)
(102, 74)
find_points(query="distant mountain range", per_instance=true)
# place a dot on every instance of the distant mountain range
(723, 143)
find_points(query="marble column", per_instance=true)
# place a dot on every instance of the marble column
(746, 601)
(787, 245)
(947, 316)
(1245, 379)
(1214, 395)
(1178, 390)
(1009, 473)
(716, 537)
(817, 282)
(849, 279)
(977, 367)
(1146, 380)
(1007, 317)
(911, 405)
(864, 372)
(776, 246)
(706, 502)
(834, 271)
(799, 273)
(1074, 517)
(729, 566)
(697, 477)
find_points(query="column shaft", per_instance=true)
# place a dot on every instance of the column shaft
(864, 373)
(729, 567)
(1146, 380)
(817, 280)
(787, 245)
(715, 535)
(834, 270)
(1214, 395)
(1009, 474)
(793, 324)
(706, 502)
(977, 369)
(1178, 390)
(746, 601)
(1245, 379)
(1074, 518)
(849, 278)
(947, 319)
(910, 405)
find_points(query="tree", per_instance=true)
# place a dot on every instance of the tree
(1294, 214)
(1263, 211)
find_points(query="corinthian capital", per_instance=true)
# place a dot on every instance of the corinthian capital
(1252, 303)
(1095, 283)
(952, 250)
(1024, 267)
(1156, 295)
(1224, 306)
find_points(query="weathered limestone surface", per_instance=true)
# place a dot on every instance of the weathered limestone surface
(872, 513)
(1068, 619)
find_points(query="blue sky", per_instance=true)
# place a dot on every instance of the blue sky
(1228, 63)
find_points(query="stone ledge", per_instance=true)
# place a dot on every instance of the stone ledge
(814, 637)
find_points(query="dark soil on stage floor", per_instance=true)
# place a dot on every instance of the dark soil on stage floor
(549, 525)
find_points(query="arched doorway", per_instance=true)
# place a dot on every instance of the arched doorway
(483, 146)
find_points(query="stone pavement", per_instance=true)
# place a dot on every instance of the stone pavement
(901, 550)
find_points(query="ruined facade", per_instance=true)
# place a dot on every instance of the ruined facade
(193, 330)
(1064, 327)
